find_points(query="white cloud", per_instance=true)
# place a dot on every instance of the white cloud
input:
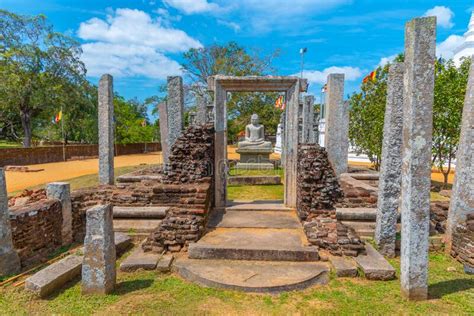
(446, 48)
(443, 14)
(320, 77)
(131, 43)
(192, 6)
(232, 25)
(386, 60)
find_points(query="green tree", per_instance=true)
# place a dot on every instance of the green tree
(132, 125)
(450, 88)
(33, 59)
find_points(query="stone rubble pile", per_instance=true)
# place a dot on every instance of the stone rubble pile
(463, 242)
(27, 197)
(317, 192)
(192, 156)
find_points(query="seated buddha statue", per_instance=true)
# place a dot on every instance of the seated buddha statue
(254, 135)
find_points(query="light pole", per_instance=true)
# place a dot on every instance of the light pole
(302, 52)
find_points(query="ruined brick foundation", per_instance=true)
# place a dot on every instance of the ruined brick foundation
(317, 193)
(463, 242)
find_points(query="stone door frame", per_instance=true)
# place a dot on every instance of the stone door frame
(292, 87)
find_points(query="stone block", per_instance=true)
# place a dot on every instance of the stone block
(374, 265)
(106, 130)
(98, 269)
(164, 265)
(62, 192)
(139, 259)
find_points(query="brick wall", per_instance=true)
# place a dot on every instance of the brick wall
(36, 230)
(38, 155)
(463, 242)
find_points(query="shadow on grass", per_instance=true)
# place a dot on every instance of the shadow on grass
(441, 289)
(126, 287)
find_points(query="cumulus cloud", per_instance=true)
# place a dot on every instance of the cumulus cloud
(192, 6)
(320, 77)
(446, 48)
(232, 25)
(386, 60)
(131, 43)
(443, 14)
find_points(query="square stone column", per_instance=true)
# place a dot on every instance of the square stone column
(98, 267)
(462, 198)
(9, 260)
(62, 192)
(391, 168)
(220, 145)
(201, 108)
(106, 130)
(175, 109)
(165, 148)
(308, 120)
(420, 46)
(337, 124)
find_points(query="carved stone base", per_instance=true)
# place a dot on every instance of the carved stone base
(254, 166)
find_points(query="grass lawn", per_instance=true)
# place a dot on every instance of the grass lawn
(151, 293)
(7, 144)
(256, 192)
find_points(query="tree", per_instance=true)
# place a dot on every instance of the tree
(33, 59)
(131, 124)
(234, 60)
(450, 88)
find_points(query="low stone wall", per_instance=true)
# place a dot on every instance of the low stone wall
(317, 193)
(360, 190)
(463, 242)
(38, 155)
(36, 230)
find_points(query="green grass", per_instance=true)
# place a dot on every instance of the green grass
(89, 180)
(7, 144)
(150, 293)
(255, 192)
(436, 197)
(242, 172)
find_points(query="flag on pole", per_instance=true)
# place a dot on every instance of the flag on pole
(58, 117)
(324, 88)
(303, 50)
(370, 77)
(143, 123)
(280, 103)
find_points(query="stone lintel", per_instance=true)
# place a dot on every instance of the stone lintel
(256, 83)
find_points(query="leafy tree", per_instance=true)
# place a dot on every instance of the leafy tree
(33, 59)
(450, 88)
(131, 122)
(234, 60)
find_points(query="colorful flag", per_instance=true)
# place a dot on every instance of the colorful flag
(370, 77)
(279, 103)
(58, 117)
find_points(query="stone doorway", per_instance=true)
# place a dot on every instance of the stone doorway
(292, 87)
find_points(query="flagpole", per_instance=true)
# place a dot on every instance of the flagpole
(62, 133)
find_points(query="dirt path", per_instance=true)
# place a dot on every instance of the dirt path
(70, 169)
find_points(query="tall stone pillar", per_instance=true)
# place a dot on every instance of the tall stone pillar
(62, 192)
(98, 266)
(462, 198)
(201, 108)
(106, 130)
(390, 170)
(308, 120)
(165, 148)
(175, 108)
(9, 260)
(420, 46)
(337, 124)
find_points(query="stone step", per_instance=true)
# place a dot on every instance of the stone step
(254, 180)
(254, 244)
(360, 226)
(374, 265)
(358, 214)
(252, 219)
(138, 259)
(153, 212)
(257, 206)
(253, 276)
(54, 276)
(127, 225)
(344, 266)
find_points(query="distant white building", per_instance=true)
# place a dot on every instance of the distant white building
(466, 49)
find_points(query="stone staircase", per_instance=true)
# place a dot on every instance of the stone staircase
(138, 221)
(256, 247)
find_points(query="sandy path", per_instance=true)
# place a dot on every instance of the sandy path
(70, 169)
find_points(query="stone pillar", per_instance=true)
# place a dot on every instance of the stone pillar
(192, 118)
(201, 108)
(337, 122)
(420, 46)
(462, 198)
(9, 260)
(390, 170)
(106, 130)
(165, 148)
(175, 109)
(98, 267)
(308, 120)
(220, 143)
(62, 192)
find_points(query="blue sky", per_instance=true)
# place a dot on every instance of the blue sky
(141, 42)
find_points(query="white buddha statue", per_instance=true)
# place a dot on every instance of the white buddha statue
(254, 135)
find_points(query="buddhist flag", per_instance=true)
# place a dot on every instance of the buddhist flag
(58, 117)
(370, 77)
(279, 103)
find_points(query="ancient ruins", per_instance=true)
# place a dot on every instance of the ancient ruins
(179, 215)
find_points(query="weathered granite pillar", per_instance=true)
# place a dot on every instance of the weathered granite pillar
(308, 120)
(220, 143)
(106, 130)
(462, 198)
(337, 122)
(201, 108)
(9, 260)
(163, 119)
(391, 168)
(420, 46)
(175, 109)
(98, 267)
(62, 192)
